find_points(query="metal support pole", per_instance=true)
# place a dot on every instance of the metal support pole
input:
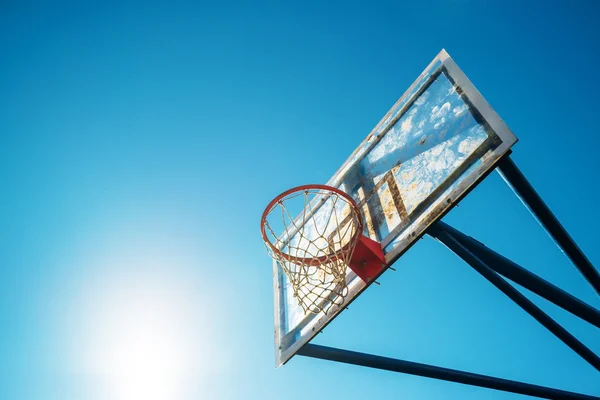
(455, 246)
(527, 194)
(525, 278)
(430, 371)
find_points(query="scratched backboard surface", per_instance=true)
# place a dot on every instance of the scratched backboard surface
(427, 152)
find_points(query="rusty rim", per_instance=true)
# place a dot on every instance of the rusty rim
(314, 260)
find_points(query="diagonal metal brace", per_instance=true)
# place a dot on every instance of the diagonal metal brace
(527, 305)
(431, 371)
(532, 200)
(525, 278)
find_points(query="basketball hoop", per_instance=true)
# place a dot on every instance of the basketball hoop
(315, 234)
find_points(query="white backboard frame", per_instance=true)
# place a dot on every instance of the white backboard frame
(398, 240)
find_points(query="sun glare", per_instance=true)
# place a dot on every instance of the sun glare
(145, 337)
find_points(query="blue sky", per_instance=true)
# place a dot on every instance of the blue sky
(140, 142)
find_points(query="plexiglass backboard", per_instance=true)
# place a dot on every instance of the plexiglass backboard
(438, 141)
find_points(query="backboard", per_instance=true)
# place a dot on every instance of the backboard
(435, 144)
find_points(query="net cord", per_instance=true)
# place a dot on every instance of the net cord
(314, 254)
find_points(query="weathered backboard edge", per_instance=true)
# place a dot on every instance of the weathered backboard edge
(282, 351)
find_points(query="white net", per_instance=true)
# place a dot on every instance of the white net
(312, 233)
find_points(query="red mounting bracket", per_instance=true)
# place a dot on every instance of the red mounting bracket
(368, 259)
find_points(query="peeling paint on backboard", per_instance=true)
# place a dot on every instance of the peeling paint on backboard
(429, 150)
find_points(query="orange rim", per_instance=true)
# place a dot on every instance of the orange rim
(315, 260)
